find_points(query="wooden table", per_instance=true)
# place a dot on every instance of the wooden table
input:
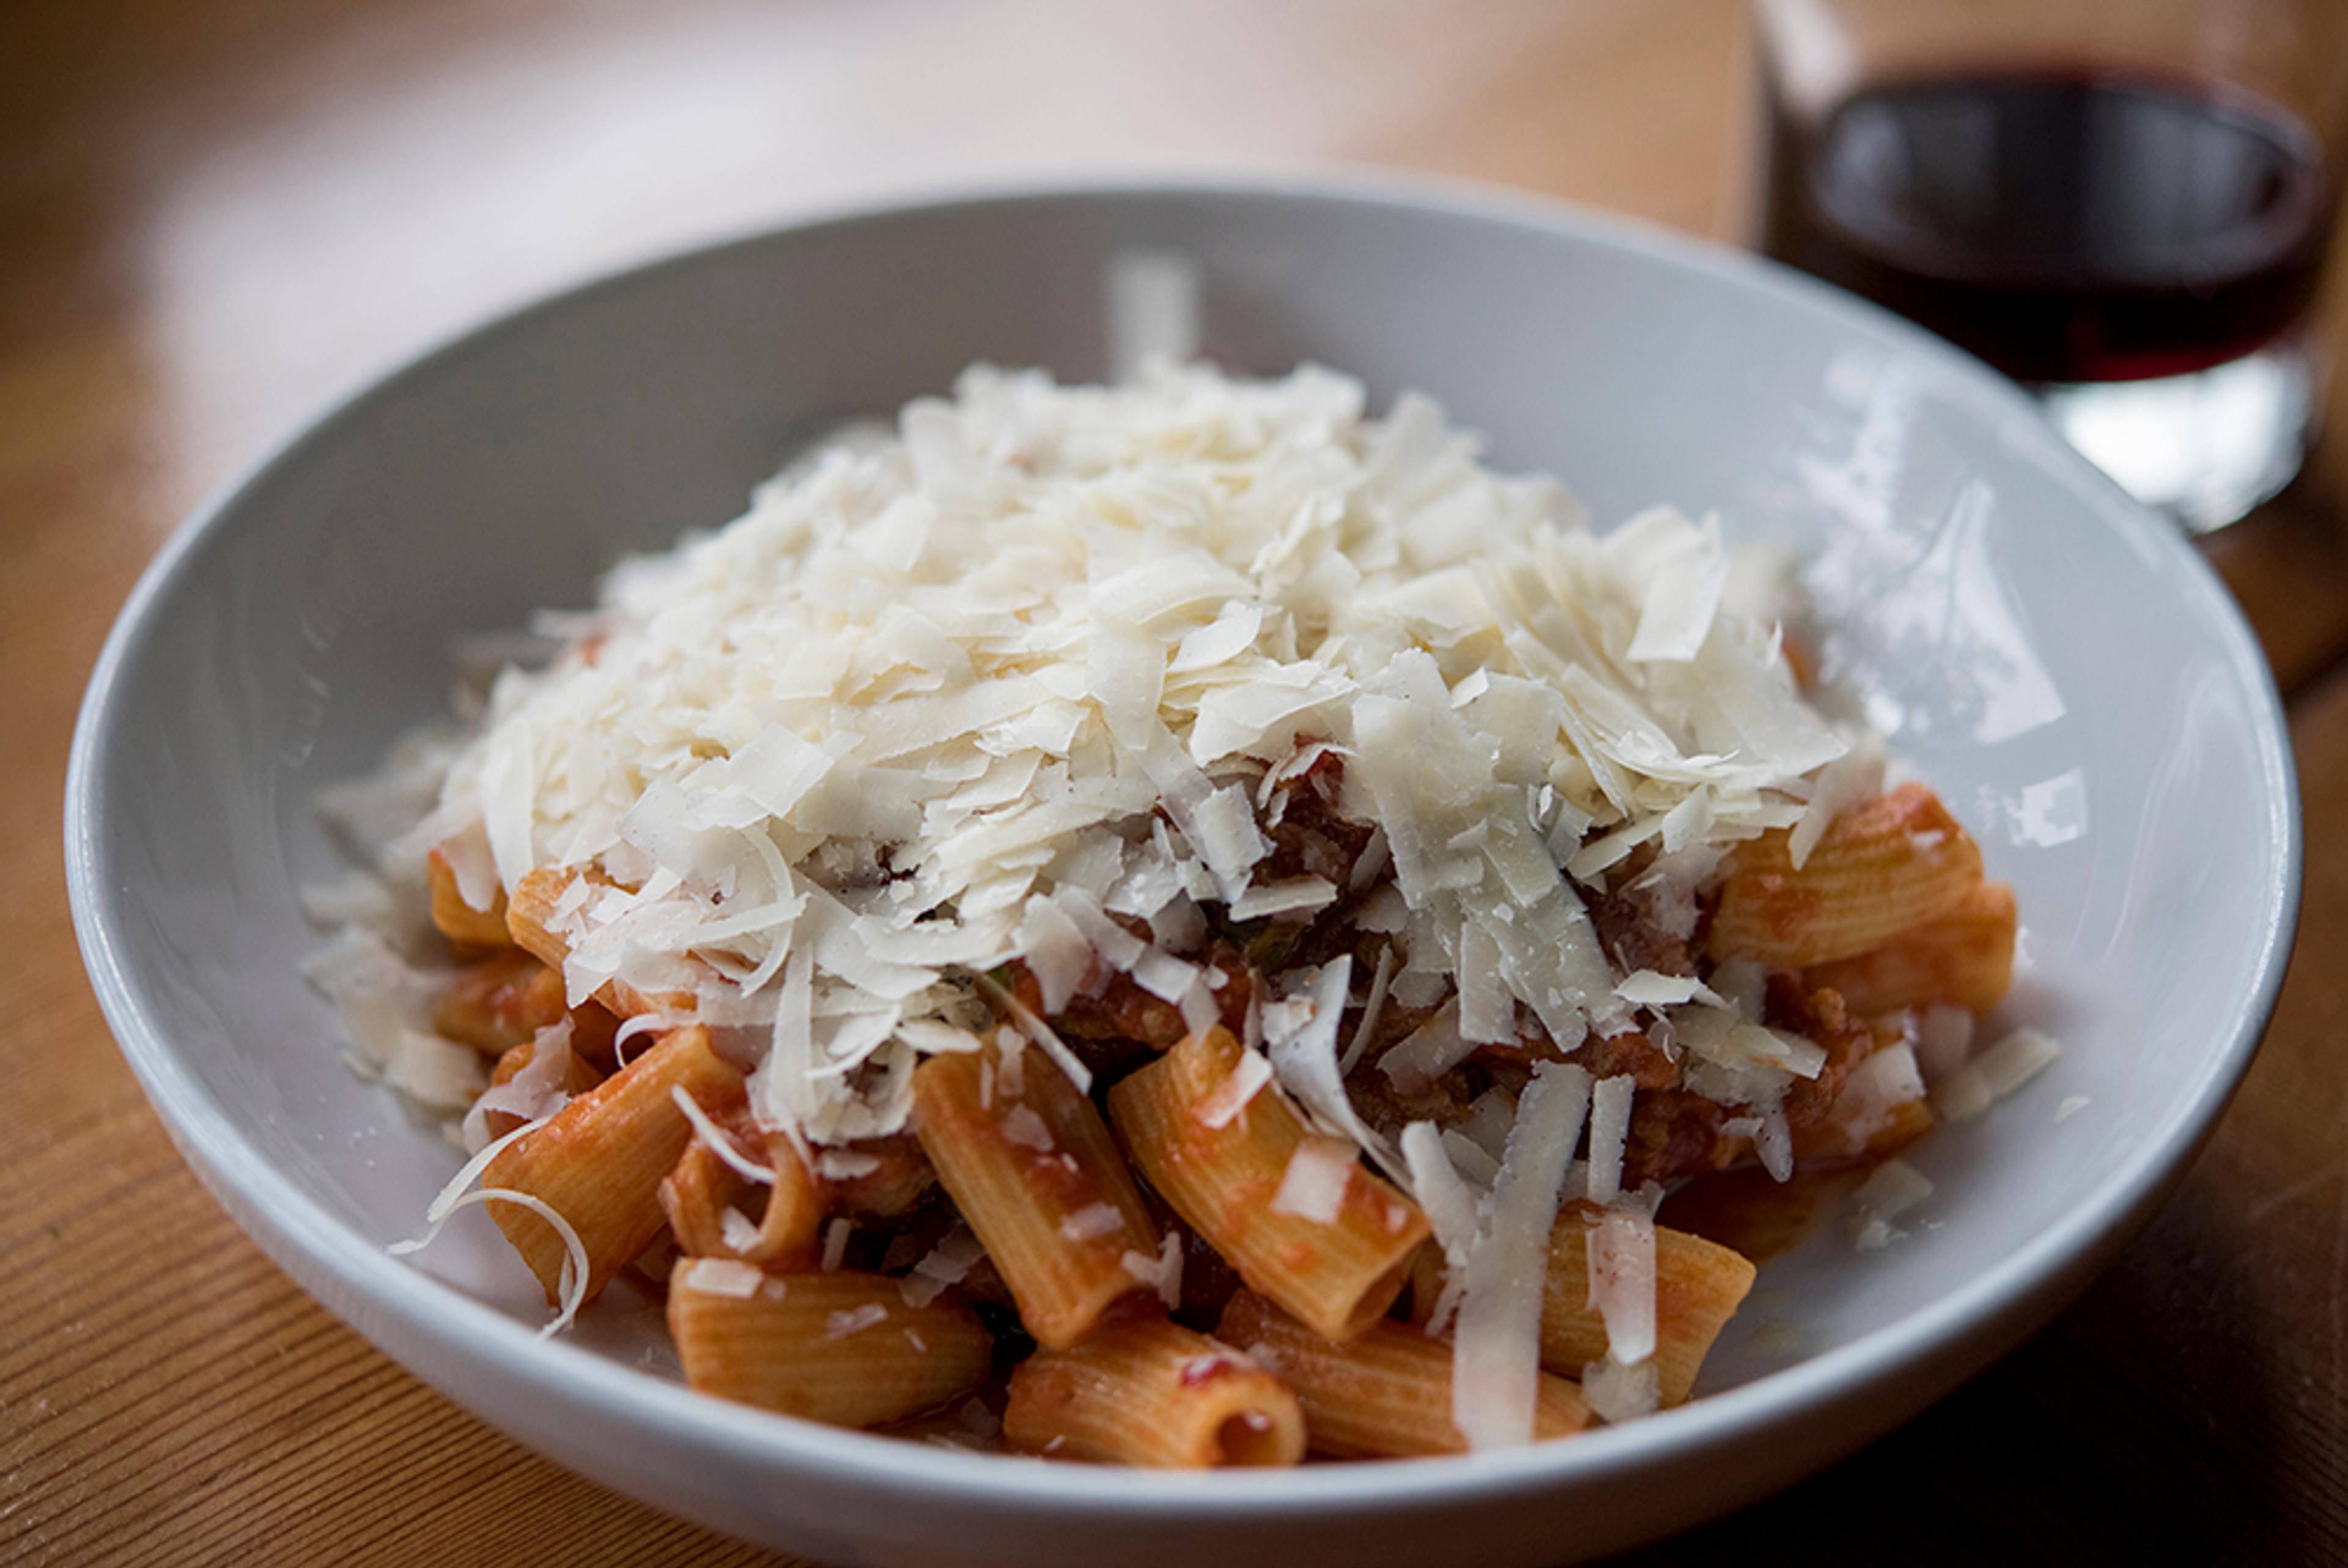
(215, 215)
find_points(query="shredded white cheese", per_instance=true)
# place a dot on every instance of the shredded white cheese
(1995, 1073)
(1891, 1190)
(854, 1320)
(719, 1277)
(998, 683)
(1231, 1097)
(947, 1263)
(1312, 1186)
(1496, 1355)
(1163, 1272)
(1618, 1393)
(1621, 1247)
(1093, 1222)
(1610, 1127)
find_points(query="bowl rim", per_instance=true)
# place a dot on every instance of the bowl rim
(1986, 1308)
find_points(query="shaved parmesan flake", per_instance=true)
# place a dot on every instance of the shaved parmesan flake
(1199, 1012)
(1890, 1190)
(1163, 1272)
(1118, 946)
(1037, 1031)
(1617, 1393)
(835, 1244)
(854, 1320)
(1496, 1347)
(1992, 1075)
(1094, 1221)
(1010, 1057)
(1305, 1059)
(1773, 1143)
(1229, 1098)
(946, 1264)
(1312, 1187)
(573, 1280)
(1232, 633)
(1621, 1247)
(719, 1277)
(1428, 1052)
(1373, 1007)
(1297, 897)
(451, 1194)
(1470, 1160)
(1450, 1209)
(534, 1093)
(1222, 829)
(1684, 568)
(1165, 977)
(1645, 988)
(845, 1164)
(1610, 1127)
(1841, 785)
(1024, 1127)
(1944, 1041)
(1872, 1095)
(733, 1227)
(1057, 951)
(713, 1138)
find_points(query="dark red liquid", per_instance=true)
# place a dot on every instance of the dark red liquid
(2064, 225)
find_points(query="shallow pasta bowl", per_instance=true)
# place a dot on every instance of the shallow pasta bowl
(2054, 658)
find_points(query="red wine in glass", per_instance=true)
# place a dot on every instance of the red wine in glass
(2071, 224)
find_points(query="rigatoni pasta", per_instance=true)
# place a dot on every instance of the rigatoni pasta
(1963, 955)
(715, 1210)
(1032, 1169)
(844, 1348)
(1145, 1391)
(455, 918)
(1104, 867)
(1887, 865)
(1338, 1273)
(1698, 1286)
(599, 1162)
(1385, 1394)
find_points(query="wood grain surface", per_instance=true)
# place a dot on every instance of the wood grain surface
(213, 215)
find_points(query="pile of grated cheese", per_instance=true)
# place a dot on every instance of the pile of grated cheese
(966, 692)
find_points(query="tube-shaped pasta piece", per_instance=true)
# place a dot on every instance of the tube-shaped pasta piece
(505, 1000)
(530, 920)
(599, 1161)
(500, 1004)
(530, 912)
(1337, 1276)
(1033, 1168)
(1881, 1109)
(1150, 1392)
(1963, 955)
(843, 1347)
(578, 1076)
(457, 920)
(1387, 1392)
(784, 1218)
(878, 1178)
(1885, 864)
(1698, 1286)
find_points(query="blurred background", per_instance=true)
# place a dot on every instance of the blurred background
(217, 214)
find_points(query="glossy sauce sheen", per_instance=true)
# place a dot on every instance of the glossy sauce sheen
(2066, 225)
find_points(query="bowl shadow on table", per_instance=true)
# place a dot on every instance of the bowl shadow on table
(2140, 1427)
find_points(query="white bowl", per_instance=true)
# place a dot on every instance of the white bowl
(2053, 657)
